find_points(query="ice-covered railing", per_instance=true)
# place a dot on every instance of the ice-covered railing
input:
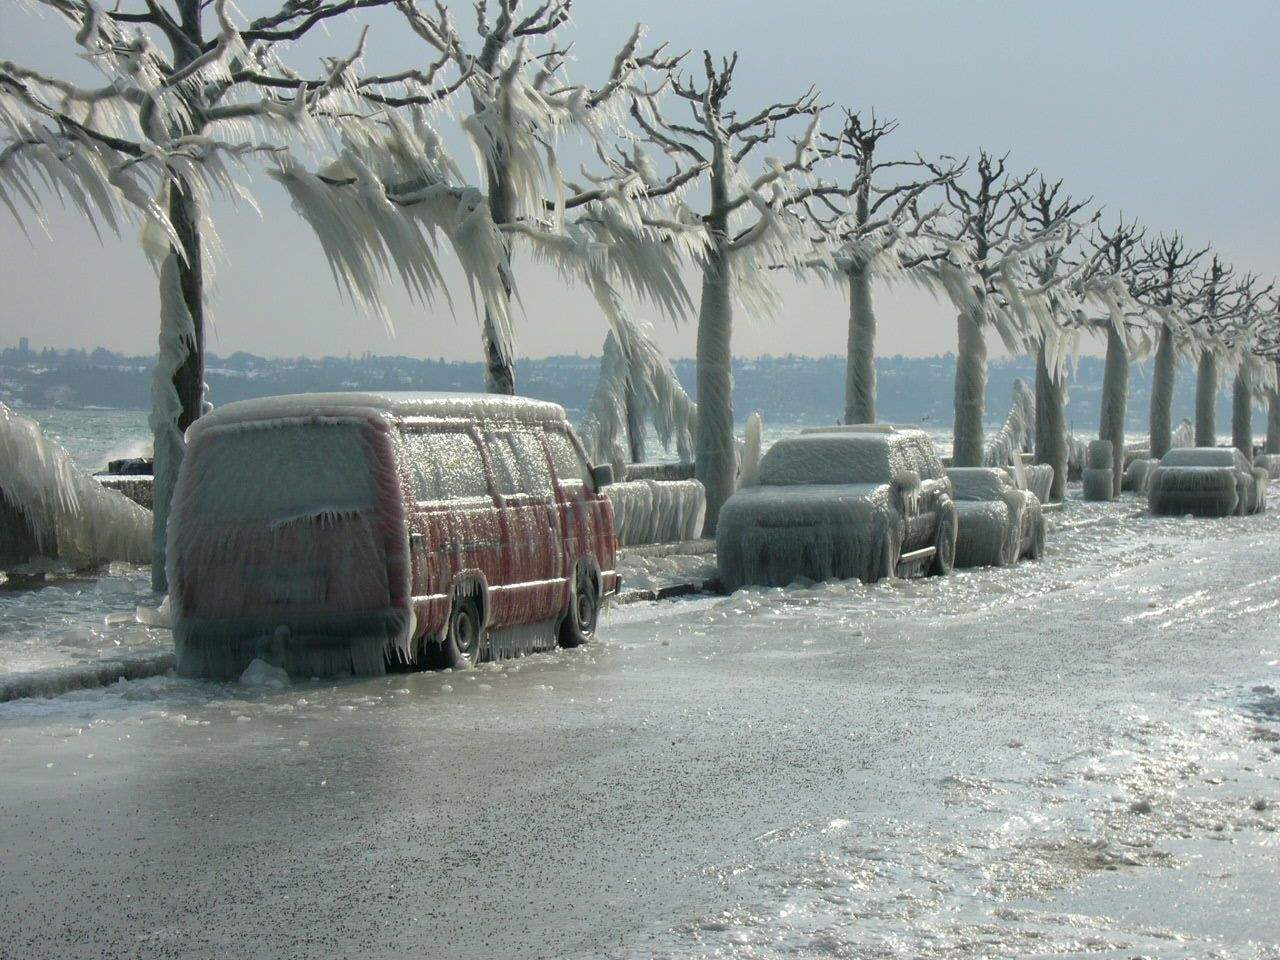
(70, 516)
(657, 511)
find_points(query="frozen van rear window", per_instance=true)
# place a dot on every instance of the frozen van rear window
(283, 472)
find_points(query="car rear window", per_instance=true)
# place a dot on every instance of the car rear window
(283, 472)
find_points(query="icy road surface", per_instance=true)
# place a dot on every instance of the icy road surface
(1076, 756)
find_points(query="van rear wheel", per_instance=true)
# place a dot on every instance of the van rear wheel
(463, 640)
(580, 620)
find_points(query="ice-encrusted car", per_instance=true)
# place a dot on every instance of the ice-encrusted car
(839, 503)
(1206, 482)
(999, 523)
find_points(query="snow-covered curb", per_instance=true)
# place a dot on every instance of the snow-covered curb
(82, 676)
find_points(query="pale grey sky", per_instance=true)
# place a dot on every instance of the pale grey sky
(1163, 110)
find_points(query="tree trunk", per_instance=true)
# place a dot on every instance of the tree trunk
(716, 464)
(1162, 376)
(860, 369)
(1051, 426)
(1273, 416)
(499, 364)
(1242, 411)
(178, 385)
(1206, 400)
(970, 391)
(1115, 392)
(635, 421)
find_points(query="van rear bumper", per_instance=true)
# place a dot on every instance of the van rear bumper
(305, 645)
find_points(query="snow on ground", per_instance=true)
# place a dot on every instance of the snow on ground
(1075, 756)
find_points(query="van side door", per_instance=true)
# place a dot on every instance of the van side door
(474, 538)
(581, 524)
(535, 584)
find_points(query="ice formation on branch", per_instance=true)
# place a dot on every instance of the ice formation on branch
(1006, 445)
(71, 517)
(636, 386)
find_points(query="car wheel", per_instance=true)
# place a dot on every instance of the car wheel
(944, 542)
(579, 623)
(891, 551)
(463, 642)
(1036, 550)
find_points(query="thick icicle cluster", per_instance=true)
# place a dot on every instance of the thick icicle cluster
(656, 511)
(72, 517)
(636, 386)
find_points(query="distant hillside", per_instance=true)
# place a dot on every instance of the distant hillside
(784, 389)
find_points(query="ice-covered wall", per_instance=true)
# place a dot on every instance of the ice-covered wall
(72, 517)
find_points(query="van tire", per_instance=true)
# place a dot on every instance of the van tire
(463, 642)
(944, 541)
(580, 620)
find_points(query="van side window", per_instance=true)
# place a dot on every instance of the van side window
(535, 473)
(506, 472)
(428, 484)
(461, 467)
(570, 467)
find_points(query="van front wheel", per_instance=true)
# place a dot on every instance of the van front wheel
(579, 624)
(463, 634)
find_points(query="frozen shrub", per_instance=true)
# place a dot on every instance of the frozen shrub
(1098, 484)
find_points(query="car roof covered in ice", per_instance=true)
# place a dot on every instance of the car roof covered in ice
(466, 406)
(1205, 457)
(844, 457)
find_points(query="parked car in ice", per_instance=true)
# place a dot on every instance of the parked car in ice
(1207, 482)
(999, 523)
(866, 502)
(332, 533)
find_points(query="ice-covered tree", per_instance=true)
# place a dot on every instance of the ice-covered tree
(180, 107)
(986, 277)
(1127, 323)
(1243, 341)
(1222, 301)
(751, 225)
(878, 237)
(607, 231)
(1048, 208)
(1170, 267)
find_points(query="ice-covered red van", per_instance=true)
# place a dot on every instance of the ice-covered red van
(337, 533)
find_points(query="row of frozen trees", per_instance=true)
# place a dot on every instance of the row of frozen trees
(187, 101)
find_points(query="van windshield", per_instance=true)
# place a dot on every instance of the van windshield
(284, 472)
